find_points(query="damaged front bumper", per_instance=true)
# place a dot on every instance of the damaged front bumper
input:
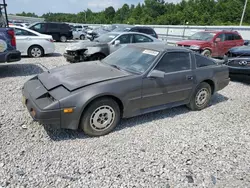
(75, 56)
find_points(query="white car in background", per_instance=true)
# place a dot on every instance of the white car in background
(79, 34)
(32, 43)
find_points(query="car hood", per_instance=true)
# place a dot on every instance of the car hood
(240, 50)
(192, 42)
(79, 75)
(84, 45)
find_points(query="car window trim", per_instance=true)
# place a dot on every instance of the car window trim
(165, 73)
(203, 66)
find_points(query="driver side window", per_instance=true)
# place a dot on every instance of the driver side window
(222, 37)
(174, 62)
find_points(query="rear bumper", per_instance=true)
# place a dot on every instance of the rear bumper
(10, 56)
(221, 85)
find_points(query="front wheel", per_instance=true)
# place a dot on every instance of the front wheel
(100, 117)
(35, 51)
(96, 57)
(201, 97)
(207, 53)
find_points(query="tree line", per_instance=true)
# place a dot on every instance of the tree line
(159, 12)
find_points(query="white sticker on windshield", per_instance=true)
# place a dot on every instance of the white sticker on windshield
(151, 52)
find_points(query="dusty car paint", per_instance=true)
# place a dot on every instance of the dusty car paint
(75, 86)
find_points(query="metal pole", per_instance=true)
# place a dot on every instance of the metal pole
(5, 11)
(243, 13)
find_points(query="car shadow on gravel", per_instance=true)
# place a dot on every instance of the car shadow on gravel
(14, 70)
(62, 134)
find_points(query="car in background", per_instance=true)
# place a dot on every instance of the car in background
(104, 45)
(8, 52)
(132, 81)
(212, 43)
(79, 34)
(32, 43)
(59, 31)
(97, 32)
(238, 61)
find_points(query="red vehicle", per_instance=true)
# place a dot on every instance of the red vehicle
(213, 43)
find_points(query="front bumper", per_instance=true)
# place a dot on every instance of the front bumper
(239, 70)
(48, 117)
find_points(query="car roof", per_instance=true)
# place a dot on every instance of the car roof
(144, 27)
(161, 47)
(221, 31)
(26, 29)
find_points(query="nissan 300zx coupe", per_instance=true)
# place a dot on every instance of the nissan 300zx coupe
(134, 80)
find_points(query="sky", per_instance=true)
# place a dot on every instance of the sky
(66, 6)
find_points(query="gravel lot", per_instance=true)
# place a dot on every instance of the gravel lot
(170, 148)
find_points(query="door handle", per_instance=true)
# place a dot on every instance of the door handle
(190, 77)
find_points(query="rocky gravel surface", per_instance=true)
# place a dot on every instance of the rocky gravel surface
(167, 149)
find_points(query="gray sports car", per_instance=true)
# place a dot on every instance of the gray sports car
(104, 45)
(134, 80)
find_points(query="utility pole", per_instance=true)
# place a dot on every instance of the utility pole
(243, 13)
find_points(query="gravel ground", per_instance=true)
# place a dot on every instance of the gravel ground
(166, 149)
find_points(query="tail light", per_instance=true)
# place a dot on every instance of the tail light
(11, 33)
(156, 35)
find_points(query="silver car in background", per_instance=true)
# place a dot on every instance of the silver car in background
(104, 45)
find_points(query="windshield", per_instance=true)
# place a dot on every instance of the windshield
(105, 38)
(132, 59)
(205, 36)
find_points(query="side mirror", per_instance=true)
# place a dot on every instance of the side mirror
(156, 74)
(117, 42)
(217, 40)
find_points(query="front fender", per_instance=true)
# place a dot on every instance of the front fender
(95, 50)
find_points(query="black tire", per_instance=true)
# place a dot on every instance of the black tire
(97, 113)
(35, 51)
(63, 38)
(82, 37)
(203, 90)
(96, 57)
(207, 53)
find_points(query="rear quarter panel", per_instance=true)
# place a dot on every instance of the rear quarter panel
(217, 73)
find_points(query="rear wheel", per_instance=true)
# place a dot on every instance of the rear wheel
(35, 51)
(201, 97)
(63, 38)
(100, 117)
(207, 53)
(96, 57)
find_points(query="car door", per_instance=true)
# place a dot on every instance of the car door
(177, 84)
(124, 39)
(23, 40)
(219, 46)
(229, 42)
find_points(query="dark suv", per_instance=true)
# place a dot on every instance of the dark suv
(143, 29)
(59, 31)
